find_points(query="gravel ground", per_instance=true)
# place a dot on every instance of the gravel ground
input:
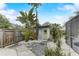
(37, 47)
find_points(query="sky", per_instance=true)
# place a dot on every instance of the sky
(47, 12)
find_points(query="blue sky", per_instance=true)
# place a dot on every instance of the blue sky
(48, 12)
(44, 8)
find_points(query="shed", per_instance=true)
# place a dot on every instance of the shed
(44, 32)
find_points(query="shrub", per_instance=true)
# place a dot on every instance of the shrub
(33, 35)
(56, 32)
(29, 34)
(48, 52)
(26, 35)
(53, 52)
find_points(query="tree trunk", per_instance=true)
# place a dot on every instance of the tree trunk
(37, 25)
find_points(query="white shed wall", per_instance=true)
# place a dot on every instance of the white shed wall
(41, 35)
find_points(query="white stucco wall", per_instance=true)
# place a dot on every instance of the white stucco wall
(41, 35)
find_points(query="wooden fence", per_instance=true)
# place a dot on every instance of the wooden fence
(9, 36)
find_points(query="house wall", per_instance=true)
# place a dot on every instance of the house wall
(68, 32)
(42, 35)
(72, 29)
(75, 27)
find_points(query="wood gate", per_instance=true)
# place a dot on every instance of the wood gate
(8, 37)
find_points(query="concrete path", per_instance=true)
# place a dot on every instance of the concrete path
(16, 50)
(67, 49)
(7, 52)
(24, 51)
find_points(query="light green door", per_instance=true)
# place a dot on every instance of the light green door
(45, 34)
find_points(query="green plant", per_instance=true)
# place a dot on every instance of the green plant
(53, 52)
(56, 32)
(29, 34)
(48, 52)
(4, 23)
(26, 35)
(29, 21)
(58, 43)
(33, 35)
(27, 18)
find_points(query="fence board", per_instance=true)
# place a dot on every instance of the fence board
(8, 37)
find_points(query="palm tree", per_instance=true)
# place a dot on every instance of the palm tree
(35, 6)
(27, 18)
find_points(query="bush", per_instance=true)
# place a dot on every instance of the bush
(53, 52)
(48, 52)
(26, 35)
(56, 32)
(29, 34)
(33, 35)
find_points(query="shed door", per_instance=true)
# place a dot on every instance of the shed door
(45, 34)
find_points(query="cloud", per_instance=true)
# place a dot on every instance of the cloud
(76, 4)
(11, 14)
(2, 6)
(70, 7)
(59, 19)
(66, 7)
(55, 19)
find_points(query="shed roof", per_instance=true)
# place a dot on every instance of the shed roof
(44, 26)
